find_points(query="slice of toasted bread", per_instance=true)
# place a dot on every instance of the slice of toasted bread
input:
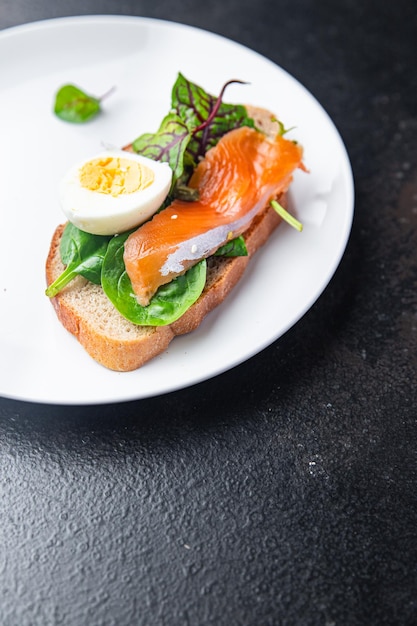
(85, 311)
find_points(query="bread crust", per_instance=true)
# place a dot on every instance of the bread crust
(85, 311)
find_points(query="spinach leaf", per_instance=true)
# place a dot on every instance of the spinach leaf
(167, 305)
(194, 106)
(83, 254)
(235, 247)
(73, 105)
(168, 144)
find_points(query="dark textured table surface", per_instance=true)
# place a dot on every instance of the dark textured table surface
(283, 491)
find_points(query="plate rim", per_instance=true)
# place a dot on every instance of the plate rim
(53, 23)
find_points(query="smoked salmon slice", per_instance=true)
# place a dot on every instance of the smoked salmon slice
(237, 178)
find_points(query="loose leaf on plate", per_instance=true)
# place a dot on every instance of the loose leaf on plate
(75, 106)
(167, 305)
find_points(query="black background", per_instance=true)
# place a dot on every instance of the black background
(283, 491)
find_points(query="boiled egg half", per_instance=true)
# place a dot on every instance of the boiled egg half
(114, 191)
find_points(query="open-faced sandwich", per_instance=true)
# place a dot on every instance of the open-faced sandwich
(158, 233)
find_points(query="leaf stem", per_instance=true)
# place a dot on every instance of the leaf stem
(54, 288)
(287, 217)
(216, 107)
(108, 93)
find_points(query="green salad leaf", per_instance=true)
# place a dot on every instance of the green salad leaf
(169, 303)
(83, 254)
(168, 144)
(234, 247)
(195, 106)
(197, 121)
(74, 105)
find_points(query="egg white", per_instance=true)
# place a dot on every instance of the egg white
(103, 214)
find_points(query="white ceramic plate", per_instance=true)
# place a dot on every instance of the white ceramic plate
(39, 360)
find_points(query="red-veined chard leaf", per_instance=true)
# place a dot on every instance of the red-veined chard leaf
(196, 123)
(168, 144)
(74, 105)
(195, 106)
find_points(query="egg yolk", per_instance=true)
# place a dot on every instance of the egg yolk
(115, 176)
